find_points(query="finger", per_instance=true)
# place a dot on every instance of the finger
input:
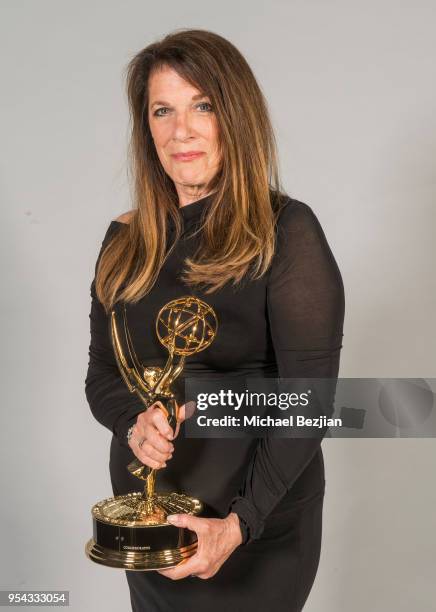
(185, 412)
(156, 465)
(159, 420)
(146, 428)
(181, 414)
(194, 523)
(183, 569)
(149, 451)
(188, 410)
(157, 440)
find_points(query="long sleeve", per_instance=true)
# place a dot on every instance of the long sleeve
(110, 401)
(306, 306)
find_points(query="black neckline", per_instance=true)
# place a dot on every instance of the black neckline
(195, 208)
(189, 211)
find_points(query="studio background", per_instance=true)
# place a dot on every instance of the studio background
(351, 93)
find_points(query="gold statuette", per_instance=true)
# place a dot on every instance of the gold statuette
(131, 531)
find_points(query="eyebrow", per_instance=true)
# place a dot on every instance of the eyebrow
(163, 103)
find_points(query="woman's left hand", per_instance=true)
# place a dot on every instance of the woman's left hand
(217, 539)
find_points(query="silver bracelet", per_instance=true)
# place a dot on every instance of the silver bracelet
(129, 433)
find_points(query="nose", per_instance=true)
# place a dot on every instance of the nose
(182, 126)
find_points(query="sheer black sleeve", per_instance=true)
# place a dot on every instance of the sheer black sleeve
(306, 307)
(110, 401)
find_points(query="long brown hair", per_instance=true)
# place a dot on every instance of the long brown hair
(238, 234)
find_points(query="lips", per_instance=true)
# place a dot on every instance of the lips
(187, 156)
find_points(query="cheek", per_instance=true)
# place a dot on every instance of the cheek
(212, 136)
(160, 133)
(161, 137)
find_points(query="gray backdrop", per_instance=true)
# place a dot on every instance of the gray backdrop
(352, 96)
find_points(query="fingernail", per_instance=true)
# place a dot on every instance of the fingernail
(173, 518)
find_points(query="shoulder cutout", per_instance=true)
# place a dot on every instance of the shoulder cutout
(125, 217)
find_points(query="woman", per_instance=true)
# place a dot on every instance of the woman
(210, 220)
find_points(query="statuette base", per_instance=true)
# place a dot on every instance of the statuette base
(131, 531)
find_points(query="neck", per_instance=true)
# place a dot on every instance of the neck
(191, 193)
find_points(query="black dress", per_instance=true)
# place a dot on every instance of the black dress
(287, 324)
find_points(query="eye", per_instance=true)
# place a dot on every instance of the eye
(157, 112)
(206, 104)
(204, 107)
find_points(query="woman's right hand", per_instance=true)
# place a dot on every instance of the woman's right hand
(152, 427)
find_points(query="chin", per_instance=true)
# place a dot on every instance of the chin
(189, 178)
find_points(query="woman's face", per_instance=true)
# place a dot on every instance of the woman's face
(185, 132)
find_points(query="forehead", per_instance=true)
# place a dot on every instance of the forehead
(165, 81)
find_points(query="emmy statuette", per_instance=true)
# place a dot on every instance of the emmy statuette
(131, 531)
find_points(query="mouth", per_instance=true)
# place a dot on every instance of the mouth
(184, 157)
